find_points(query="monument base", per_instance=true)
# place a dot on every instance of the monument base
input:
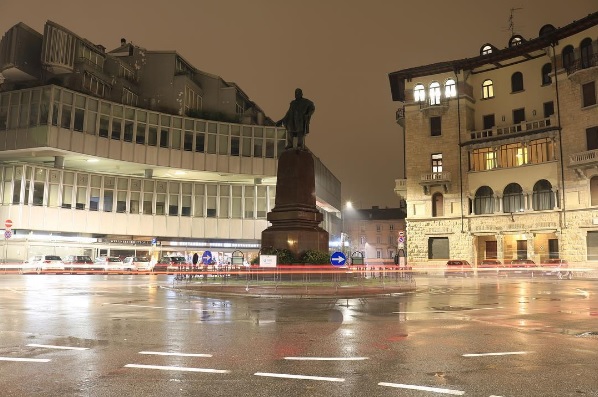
(295, 239)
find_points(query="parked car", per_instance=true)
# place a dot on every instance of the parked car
(556, 268)
(113, 263)
(78, 263)
(141, 263)
(458, 268)
(519, 267)
(489, 267)
(44, 264)
(170, 264)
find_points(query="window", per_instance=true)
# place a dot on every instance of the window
(378, 228)
(540, 150)
(450, 89)
(586, 53)
(487, 49)
(594, 191)
(483, 159)
(543, 196)
(513, 155)
(483, 202)
(435, 126)
(548, 109)
(438, 248)
(592, 246)
(589, 93)
(437, 162)
(518, 116)
(488, 121)
(515, 41)
(568, 57)
(487, 89)
(512, 199)
(419, 93)
(435, 93)
(546, 71)
(517, 82)
(592, 138)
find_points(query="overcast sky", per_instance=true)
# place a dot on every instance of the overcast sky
(338, 51)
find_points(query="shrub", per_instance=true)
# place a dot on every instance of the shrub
(315, 257)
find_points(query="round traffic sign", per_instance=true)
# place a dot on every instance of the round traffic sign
(7, 234)
(8, 223)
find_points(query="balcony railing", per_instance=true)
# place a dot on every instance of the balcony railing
(583, 160)
(401, 188)
(400, 117)
(436, 177)
(582, 63)
(524, 126)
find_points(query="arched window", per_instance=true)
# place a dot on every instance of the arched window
(486, 49)
(586, 52)
(487, 89)
(568, 57)
(435, 93)
(483, 203)
(437, 204)
(594, 190)
(419, 93)
(512, 200)
(546, 70)
(450, 89)
(543, 196)
(517, 82)
(516, 40)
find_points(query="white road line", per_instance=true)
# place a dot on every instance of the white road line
(327, 358)
(448, 311)
(424, 388)
(58, 347)
(32, 360)
(174, 368)
(307, 377)
(177, 354)
(492, 354)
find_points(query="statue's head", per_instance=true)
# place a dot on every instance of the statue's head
(298, 93)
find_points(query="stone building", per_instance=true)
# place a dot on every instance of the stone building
(502, 150)
(132, 152)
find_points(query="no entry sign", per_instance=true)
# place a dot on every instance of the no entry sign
(8, 223)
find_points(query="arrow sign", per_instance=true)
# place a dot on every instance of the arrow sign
(338, 259)
(206, 258)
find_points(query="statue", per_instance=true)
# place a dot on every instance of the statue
(296, 121)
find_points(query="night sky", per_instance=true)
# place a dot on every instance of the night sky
(338, 51)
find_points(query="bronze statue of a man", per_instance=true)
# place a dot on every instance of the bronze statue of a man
(296, 121)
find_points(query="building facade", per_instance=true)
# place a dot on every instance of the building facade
(502, 150)
(132, 152)
(373, 233)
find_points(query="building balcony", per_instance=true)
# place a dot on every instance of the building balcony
(523, 127)
(430, 109)
(435, 179)
(401, 188)
(583, 70)
(582, 161)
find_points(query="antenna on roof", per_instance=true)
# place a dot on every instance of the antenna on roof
(512, 20)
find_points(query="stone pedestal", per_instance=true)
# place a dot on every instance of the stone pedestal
(295, 219)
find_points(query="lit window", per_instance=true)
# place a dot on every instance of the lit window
(450, 89)
(437, 163)
(419, 93)
(487, 89)
(435, 93)
(487, 49)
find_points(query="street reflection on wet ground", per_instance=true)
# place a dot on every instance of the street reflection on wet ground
(64, 335)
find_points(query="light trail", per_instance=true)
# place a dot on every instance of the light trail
(177, 354)
(423, 388)
(58, 347)
(175, 368)
(492, 354)
(327, 358)
(306, 377)
(31, 360)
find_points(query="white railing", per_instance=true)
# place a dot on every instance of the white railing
(436, 176)
(587, 157)
(514, 128)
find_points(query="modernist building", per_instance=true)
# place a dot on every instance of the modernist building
(132, 152)
(502, 150)
(374, 233)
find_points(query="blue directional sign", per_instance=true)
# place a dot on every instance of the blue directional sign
(338, 259)
(206, 258)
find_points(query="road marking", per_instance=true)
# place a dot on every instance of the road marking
(307, 377)
(32, 360)
(58, 347)
(492, 354)
(424, 388)
(177, 354)
(174, 368)
(448, 311)
(327, 358)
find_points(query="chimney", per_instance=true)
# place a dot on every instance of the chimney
(123, 41)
